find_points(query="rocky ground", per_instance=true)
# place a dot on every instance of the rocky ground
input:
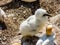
(19, 11)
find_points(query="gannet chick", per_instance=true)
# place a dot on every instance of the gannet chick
(34, 23)
(48, 38)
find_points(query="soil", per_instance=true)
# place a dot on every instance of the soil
(3, 2)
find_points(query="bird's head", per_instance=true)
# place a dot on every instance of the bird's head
(42, 14)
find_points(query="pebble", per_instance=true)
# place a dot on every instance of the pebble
(3, 42)
(10, 15)
(24, 11)
(22, 6)
(0, 32)
(4, 38)
(16, 43)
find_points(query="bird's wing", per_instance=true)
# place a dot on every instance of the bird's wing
(25, 23)
(31, 22)
(29, 18)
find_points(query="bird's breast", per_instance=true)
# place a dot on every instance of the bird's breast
(40, 26)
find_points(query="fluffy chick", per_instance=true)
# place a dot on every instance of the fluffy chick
(34, 23)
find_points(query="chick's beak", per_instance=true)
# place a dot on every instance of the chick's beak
(47, 15)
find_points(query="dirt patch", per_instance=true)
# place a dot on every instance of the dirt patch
(3, 2)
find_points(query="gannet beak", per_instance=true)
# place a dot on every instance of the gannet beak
(47, 15)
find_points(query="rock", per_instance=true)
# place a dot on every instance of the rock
(3, 42)
(24, 11)
(3, 2)
(11, 15)
(29, 40)
(29, 0)
(16, 43)
(0, 32)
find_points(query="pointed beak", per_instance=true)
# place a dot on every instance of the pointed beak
(47, 15)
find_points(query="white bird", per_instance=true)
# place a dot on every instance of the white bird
(2, 13)
(29, 0)
(54, 19)
(44, 40)
(34, 23)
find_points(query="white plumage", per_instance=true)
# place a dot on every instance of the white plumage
(29, 0)
(34, 23)
(2, 13)
(55, 18)
(44, 40)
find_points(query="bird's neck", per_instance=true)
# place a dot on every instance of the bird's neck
(38, 20)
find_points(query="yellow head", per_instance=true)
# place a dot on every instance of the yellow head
(49, 30)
